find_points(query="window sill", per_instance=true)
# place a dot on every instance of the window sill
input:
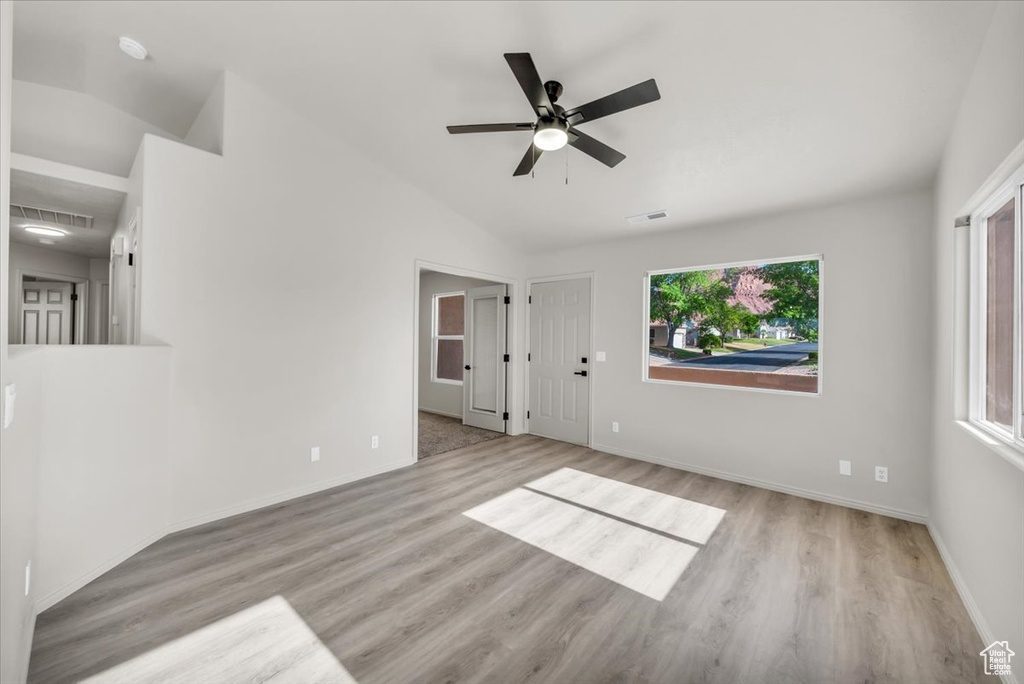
(442, 381)
(1008, 452)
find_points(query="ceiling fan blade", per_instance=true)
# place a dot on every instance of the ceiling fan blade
(529, 159)
(640, 94)
(595, 148)
(526, 73)
(490, 128)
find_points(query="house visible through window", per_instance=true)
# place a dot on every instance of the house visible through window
(996, 313)
(448, 335)
(752, 325)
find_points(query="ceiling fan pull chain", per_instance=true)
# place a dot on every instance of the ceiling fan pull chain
(566, 164)
(533, 169)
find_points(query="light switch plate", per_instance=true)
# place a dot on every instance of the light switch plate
(600, 356)
(10, 395)
(844, 467)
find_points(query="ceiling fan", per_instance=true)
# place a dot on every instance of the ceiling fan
(555, 125)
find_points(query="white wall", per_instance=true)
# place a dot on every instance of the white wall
(873, 409)
(103, 469)
(19, 442)
(438, 397)
(40, 260)
(291, 221)
(75, 128)
(977, 497)
(99, 273)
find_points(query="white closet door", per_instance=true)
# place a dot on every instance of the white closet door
(483, 391)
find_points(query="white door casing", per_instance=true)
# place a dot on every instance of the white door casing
(483, 389)
(559, 360)
(46, 313)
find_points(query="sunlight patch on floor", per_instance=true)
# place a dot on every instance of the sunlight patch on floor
(687, 520)
(265, 644)
(636, 558)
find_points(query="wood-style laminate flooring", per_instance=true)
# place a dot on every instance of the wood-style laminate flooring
(402, 587)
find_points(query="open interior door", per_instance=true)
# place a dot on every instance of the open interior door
(483, 389)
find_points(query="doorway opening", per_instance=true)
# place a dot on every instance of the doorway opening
(463, 377)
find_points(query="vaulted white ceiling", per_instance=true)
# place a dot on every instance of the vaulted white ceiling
(765, 106)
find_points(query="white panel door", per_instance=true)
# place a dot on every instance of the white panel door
(559, 360)
(46, 313)
(483, 389)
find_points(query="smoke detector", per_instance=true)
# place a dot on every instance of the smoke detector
(646, 218)
(132, 48)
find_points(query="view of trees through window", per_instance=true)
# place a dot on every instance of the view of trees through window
(754, 325)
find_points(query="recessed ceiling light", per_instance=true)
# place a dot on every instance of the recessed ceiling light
(644, 218)
(132, 48)
(43, 230)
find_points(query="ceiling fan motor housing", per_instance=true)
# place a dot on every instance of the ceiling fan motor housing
(554, 90)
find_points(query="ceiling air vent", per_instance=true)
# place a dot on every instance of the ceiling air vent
(644, 218)
(61, 218)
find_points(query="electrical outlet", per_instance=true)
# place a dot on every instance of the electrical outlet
(28, 577)
(881, 474)
(844, 467)
(374, 442)
(314, 454)
(615, 427)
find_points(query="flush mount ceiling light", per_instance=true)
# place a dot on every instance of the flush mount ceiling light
(43, 230)
(132, 48)
(551, 134)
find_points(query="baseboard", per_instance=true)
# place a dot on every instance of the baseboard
(765, 484)
(441, 413)
(69, 588)
(980, 624)
(263, 502)
(59, 594)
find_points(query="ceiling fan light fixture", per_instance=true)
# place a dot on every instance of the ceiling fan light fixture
(551, 135)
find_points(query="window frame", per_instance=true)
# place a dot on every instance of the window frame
(1012, 188)
(646, 355)
(435, 338)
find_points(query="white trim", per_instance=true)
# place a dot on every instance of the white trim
(280, 497)
(899, 513)
(530, 282)
(1010, 189)
(419, 265)
(645, 356)
(57, 595)
(435, 338)
(65, 590)
(27, 635)
(980, 624)
(448, 414)
(1009, 452)
(75, 174)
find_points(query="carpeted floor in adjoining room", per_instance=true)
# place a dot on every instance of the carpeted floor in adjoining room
(439, 434)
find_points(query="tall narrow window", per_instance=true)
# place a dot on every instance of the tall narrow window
(996, 313)
(448, 335)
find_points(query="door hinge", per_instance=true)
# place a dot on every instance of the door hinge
(527, 415)
(74, 297)
(528, 356)
(529, 300)
(508, 300)
(504, 416)
(507, 358)
(131, 259)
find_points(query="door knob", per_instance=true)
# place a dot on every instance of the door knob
(583, 373)
(468, 368)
